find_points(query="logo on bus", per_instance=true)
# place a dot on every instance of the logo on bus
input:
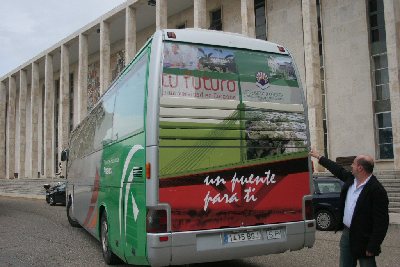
(262, 80)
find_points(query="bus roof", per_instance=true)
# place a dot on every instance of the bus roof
(220, 38)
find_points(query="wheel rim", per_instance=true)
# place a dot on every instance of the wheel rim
(104, 236)
(51, 201)
(324, 220)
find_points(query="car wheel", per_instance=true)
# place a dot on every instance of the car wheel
(108, 255)
(325, 220)
(71, 221)
(51, 201)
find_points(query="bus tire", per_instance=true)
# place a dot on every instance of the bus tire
(71, 221)
(109, 257)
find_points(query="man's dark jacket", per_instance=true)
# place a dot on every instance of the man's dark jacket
(371, 216)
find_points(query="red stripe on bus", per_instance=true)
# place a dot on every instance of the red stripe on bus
(93, 199)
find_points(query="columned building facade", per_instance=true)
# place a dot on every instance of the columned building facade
(347, 53)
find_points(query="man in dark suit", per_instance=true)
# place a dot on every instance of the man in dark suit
(364, 210)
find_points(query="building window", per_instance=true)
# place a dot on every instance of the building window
(385, 137)
(261, 24)
(322, 77)
(216, 20)
(380, 80)
(181, 26)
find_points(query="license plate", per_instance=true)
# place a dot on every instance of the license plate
(241, 237)
(274, 234)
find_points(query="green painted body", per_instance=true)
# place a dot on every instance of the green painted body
(101, 163)
(132, 237)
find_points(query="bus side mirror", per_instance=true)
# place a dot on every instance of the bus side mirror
(64, 155)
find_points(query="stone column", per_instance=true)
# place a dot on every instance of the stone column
(35, 97)
(248, 19)
(392, 25)
(63, 133)
(48, 125)
(200, 10)
(82, 76)
(313, 80)
(23, 90)
(130, 34)
(161, 14)
(3, 105)
(104, 56)
(10, 146)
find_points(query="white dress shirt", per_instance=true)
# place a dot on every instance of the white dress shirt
(351, 199)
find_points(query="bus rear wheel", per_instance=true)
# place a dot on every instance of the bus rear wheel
(108, 255)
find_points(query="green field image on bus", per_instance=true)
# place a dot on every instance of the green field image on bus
(191, 147)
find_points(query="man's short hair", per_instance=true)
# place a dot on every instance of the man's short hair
(366, 165)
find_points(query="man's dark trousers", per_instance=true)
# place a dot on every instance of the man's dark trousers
(346, 258)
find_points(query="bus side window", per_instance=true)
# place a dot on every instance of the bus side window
(104, 113)
(130, 99)
(85, 133)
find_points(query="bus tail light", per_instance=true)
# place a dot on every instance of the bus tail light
(281, 49)
(148, 168)
(163, 238)
(156, 221)
(309, 211)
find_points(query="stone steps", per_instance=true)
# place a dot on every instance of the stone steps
(392, 189)
(25, 186)
(391, 195)
(391, 181)
(393, 204)
(384, 174)
(394, 210)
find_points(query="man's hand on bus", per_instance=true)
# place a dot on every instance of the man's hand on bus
(314, 153)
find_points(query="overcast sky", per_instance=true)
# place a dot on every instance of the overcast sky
(28, 27)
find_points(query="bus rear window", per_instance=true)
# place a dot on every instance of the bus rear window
(206, 72)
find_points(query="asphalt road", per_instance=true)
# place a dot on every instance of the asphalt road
(32, 233)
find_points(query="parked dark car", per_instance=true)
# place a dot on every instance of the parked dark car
(326, 202)
(55, 194)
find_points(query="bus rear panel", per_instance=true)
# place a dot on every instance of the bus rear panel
(233, 165)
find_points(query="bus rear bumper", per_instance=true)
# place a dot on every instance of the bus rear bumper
(213, 245)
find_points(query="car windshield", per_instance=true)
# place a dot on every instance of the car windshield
(329, 187)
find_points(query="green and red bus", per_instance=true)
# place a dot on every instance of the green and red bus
(198, 152)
